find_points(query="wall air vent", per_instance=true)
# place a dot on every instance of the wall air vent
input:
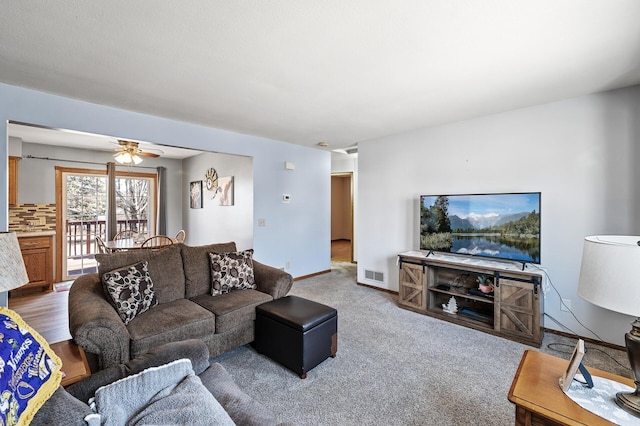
(374, 275)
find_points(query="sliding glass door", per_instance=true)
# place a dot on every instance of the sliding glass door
(84, 215)
(84, 207)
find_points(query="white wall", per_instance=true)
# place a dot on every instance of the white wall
(582, 154)
(298, 233)
(213, 222)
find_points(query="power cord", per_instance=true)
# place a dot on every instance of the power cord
(568, 309)
(568, 350)
(549, 345)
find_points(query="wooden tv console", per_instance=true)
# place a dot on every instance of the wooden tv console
(514, 310)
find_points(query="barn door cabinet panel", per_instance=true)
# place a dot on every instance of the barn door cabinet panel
(518, 313)
(494, 297)
(412, 287)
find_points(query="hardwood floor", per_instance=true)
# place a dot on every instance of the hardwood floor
(341, 251)
(46, 312)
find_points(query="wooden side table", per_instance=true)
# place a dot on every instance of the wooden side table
(539, 399)
(74, 362)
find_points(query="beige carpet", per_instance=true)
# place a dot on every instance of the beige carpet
(395, 367)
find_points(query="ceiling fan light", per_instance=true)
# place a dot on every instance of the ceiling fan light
(127, 158)
(120, 157)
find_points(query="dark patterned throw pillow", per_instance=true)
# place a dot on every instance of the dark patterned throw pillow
(131, 290)
(231, 271)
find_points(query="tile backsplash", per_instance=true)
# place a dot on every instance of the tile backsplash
(32, 217)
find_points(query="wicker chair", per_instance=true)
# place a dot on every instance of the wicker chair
(181, 236)
(102, 248)
(157, 241)
(126, 234)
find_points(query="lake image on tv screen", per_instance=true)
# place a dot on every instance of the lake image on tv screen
(505, 226)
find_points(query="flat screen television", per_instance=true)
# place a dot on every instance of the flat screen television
(501, 226)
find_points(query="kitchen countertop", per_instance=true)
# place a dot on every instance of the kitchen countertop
(44, 233)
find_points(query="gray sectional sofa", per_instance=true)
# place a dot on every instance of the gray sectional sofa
(68, 406)
(186, 309)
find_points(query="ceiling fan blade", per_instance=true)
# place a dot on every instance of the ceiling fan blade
(148, 154)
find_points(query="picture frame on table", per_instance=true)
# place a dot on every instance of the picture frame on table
(572, 368)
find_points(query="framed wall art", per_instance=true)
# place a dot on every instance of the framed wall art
(195, 194)
(226, 190)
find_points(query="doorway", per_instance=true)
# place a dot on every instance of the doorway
(342, 217)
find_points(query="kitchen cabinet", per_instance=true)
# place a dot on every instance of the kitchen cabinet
(37, 253)
(13, 181)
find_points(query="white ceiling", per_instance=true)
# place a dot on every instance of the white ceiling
(303, 71)
(81, 140)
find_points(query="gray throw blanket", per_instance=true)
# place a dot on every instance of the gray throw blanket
(170, 394)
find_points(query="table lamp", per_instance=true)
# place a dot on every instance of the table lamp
(13, 273)
(609, 278)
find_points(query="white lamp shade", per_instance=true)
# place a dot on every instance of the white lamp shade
(13, 273)
(609, 275)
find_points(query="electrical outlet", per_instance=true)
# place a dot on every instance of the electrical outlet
(287, 265)
(262, 222)
(565, 305)
(43, 220)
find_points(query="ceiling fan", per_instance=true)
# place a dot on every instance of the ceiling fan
(130, 153)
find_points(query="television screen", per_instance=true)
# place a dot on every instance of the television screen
(504, 226)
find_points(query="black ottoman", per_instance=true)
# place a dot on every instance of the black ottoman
(296, 332)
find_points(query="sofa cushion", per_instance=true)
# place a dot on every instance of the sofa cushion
(62, 409)
(165, 266)
(231, 271)
(197, 269)
(170, 322)
(131, 290)
(233, 309)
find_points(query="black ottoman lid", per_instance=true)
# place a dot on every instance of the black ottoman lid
(296, 312)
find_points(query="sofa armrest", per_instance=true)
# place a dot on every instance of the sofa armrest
(194, 350)
(270, 280)
(94, 324)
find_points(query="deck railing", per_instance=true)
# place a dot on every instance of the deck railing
(81, 235)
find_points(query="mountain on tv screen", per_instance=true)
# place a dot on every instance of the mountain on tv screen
(503, 226)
